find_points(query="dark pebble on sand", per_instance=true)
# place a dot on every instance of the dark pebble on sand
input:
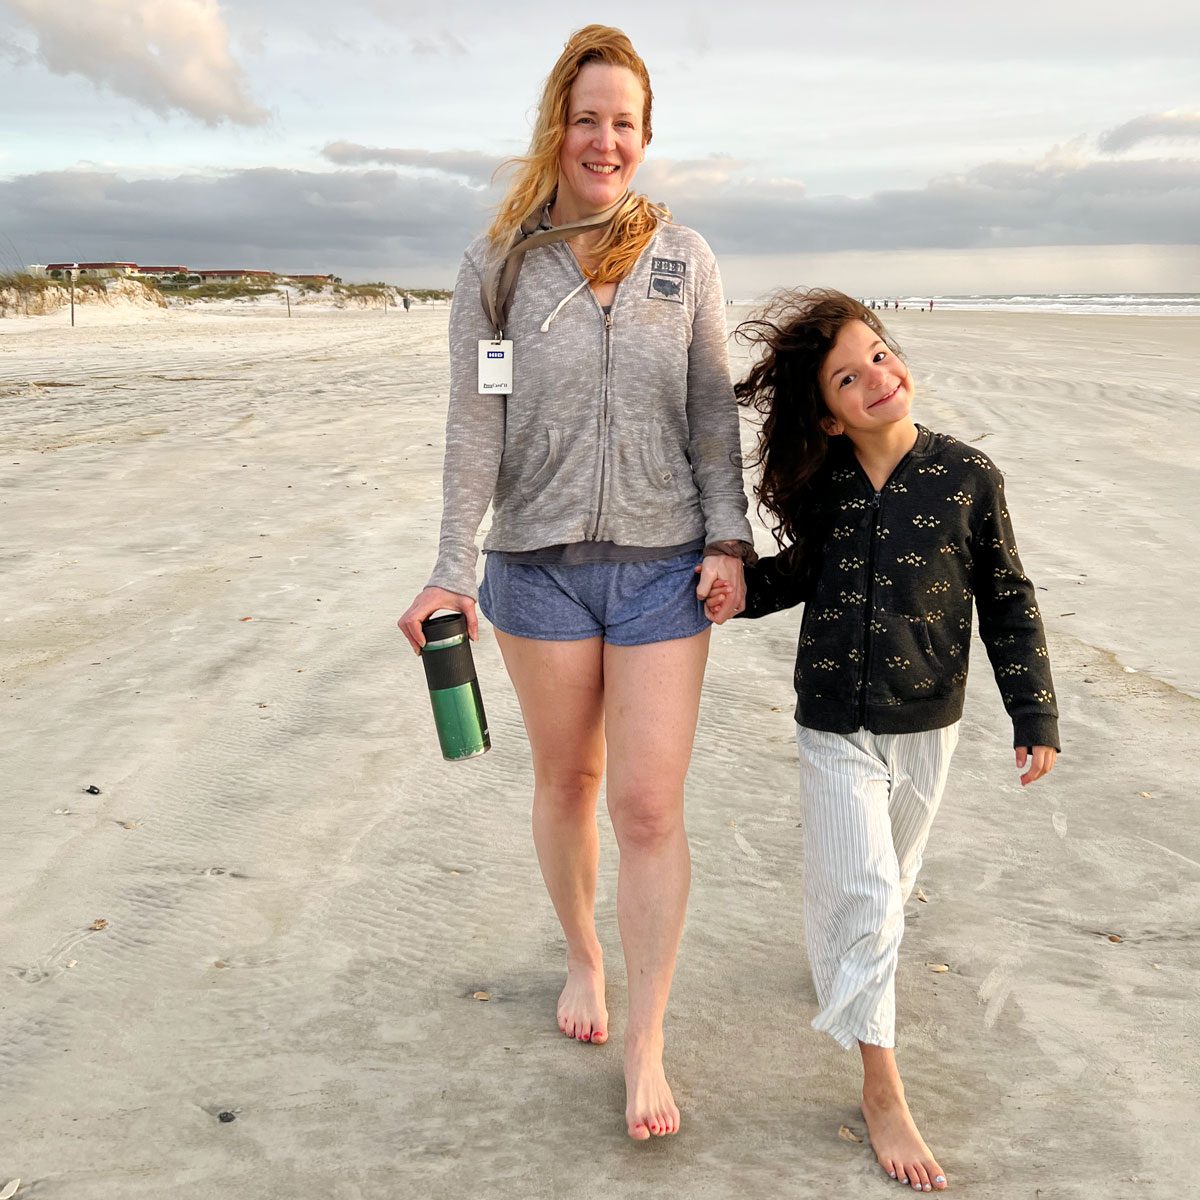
(92, 790)
(226, 1117)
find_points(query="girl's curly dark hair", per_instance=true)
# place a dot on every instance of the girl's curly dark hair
(796, 331)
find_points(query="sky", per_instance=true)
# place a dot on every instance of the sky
(896, 147)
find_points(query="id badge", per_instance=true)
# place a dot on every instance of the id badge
(495, 368)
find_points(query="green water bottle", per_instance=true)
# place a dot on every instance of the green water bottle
(453, 688)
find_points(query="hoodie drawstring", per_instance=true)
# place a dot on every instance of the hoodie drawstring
(547, 322)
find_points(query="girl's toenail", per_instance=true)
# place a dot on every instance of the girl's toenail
(939, 1179)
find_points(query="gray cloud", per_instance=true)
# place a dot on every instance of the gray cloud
(1149, 128)
(350, 222)
(361, 222)
(478, 168)
(1060, 201)
(167, 55)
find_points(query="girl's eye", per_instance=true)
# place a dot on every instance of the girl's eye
(880, 356)
(845, 380)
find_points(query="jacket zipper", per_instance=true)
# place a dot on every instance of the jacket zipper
(595, 534)
(869, 614)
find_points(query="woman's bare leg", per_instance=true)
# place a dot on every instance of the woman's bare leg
(560, 686)
(651, 702)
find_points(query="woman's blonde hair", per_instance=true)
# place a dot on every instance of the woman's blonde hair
(536, 179)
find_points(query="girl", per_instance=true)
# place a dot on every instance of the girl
(887, 532)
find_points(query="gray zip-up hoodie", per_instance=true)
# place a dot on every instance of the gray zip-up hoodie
(621, 428)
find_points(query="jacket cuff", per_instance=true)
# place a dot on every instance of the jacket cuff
(1036, 730)
(458, 582)
(733, 548)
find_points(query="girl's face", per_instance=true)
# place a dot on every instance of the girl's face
(603, 146)
(865, 386)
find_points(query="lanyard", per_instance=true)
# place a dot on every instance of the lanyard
(500, 279)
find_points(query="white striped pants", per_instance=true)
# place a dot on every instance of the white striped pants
(869, 800)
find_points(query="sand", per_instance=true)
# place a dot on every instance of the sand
(212, 519)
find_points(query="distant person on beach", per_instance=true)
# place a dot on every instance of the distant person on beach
(407, 302)
(611, 469)
(886, 532)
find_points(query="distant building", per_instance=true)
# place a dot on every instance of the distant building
(161, 272)
(235, 276)
(308, 278)
(58, 270)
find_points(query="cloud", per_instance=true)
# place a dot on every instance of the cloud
(361, 220)
(1059, 201)
(437, 45)
(351, 222)
(1150, 127)
(478, 168)
(167, 55)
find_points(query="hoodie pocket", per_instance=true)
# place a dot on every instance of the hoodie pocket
(909, 656)
(532, 486)
(644, 473)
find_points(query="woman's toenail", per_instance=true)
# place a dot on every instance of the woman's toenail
(939, 1179)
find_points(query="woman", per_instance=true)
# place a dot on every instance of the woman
(611, 471)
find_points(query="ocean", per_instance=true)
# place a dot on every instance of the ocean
(1143, 303)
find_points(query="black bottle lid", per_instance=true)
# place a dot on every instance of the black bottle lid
(448, 625)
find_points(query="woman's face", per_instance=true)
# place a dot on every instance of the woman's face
(603, 146)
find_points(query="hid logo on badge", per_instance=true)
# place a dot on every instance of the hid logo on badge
(495, 367)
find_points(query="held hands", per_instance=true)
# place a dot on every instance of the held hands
(722, 587)
(1040, 760)
(427, 603)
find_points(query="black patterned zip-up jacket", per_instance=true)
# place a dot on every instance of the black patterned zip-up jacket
(887, 598)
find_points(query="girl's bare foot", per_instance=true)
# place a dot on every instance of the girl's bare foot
(581, 1011)
(897, 1142)
(650, 1107)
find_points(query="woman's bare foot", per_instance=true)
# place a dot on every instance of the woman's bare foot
(897, 1142)
(650, 1107)
(581, 1011)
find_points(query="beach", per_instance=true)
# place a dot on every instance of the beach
(249, 964)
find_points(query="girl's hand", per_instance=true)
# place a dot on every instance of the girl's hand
(427, 603)
(721, 594)
(1040, 760)
(722, 587)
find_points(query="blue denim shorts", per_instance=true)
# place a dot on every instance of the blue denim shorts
(626, 604)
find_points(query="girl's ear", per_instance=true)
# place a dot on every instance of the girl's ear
(831, 426)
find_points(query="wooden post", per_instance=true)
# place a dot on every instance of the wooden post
(74, 268)
(288, 297)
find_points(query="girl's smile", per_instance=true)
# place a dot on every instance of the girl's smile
(884, 399)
